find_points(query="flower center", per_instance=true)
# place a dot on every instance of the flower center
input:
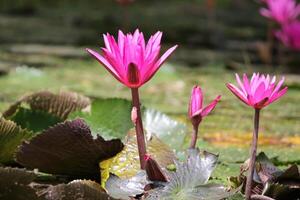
(133, 74)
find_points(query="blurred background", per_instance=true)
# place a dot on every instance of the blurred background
(42, 46)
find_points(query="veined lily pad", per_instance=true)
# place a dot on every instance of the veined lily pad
(11, 136)
(78, 189)
(190, 180)
(14, 184)
(59, 105)
(68, 149)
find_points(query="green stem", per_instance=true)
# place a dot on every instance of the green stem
(252, 155)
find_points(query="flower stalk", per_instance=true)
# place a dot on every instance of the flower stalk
(252, 155)
(139, 127)
(194, 136)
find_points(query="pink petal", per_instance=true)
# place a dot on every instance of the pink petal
(278, 95)
(238, 80)
(210, 107)
(259, 93)
(106, 64)
(196, 101)
(237, 93)
(152, 70)
(277, 87)
(246, 84)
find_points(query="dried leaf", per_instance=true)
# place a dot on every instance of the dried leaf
(14, 184)
(78, 189)
(68, 149)
(59, 105)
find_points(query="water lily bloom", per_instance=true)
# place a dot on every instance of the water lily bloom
(289, 35)
(129, 59)
(197, 112)
(281, 11)
(259, 92)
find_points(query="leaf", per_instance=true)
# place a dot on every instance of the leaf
(265, 169)
(34, 120)
(78, 189)
(126, 163)
(110, 117)
(68, 149)
(189, 181)
(126, 188)
(11, 136)
(14, 184)
(166, 129)
(59, 105)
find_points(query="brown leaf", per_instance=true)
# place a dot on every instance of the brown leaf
(68, 149)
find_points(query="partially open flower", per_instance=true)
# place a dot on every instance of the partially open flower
(129, 59)
(196, 110)
(259, 92)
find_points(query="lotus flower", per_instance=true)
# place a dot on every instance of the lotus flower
(197, 112)
(130, 60)
(281, 11)
(289, 35)
(259, 92)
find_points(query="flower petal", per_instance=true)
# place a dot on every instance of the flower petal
(210, 107)
(153, 69)
(105, 63)
(237, 93)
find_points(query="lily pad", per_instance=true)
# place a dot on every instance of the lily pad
(34, 120)
(78, 189)
(126, 164)
(166, 129)
(190, 180)
(126, 188)
(68, 149)
(14, 184)
(110, 117)
(11, 136)
(59, 105)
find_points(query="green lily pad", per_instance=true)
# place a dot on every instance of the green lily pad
(11, 136)
(110, 117)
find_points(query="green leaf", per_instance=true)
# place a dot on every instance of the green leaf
(110, 117)
(34, 120)
(11, 136)
(14, 184)
(68, 149)
(78, 189)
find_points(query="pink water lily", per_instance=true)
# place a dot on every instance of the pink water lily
(289, 35)
(259, 92)
(130, 59)
(281, 11)
(197, 112)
